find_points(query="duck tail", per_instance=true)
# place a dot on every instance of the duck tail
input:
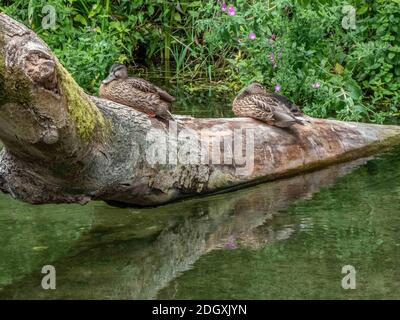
(166, 115)
(302, 121)
(299, 121)
(165, 95)
(284, 120)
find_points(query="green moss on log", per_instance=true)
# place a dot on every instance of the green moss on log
(83, 112)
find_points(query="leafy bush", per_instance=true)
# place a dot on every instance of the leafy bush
(332, 72)
(298, 46)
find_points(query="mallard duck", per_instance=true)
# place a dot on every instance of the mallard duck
(136, 92)
(255, 102)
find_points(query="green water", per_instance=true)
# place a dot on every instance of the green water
(286, 239)
(279, 240)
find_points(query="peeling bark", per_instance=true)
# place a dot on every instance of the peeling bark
(62, 145)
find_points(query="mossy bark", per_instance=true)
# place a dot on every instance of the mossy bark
(82, 111)
(62, 145)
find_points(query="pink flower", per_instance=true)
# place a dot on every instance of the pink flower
(252, 36)
(223, 7)
(278, 88)
(316, 85)
(231, 244)
(272, 57)
(231, 11)
(272, 40)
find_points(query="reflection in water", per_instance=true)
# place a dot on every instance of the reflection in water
(105, 252)
(355, 222)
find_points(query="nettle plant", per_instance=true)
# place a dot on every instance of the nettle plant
(308, 53)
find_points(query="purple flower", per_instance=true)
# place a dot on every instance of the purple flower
(275, 65)
(252, 36)
(223, 7)
(231, 244)
(316, 85)
(277, 88)
(272, 40)
(272, 57)
(231, 11)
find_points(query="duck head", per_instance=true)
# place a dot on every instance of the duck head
(117, 71)
(254, 88)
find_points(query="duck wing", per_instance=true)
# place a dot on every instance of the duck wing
(263, 102)
(146, 86)
(267, 107)
(287, 103)
(255, 106)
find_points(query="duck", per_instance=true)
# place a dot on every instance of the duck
(137, 93)
(256, 102)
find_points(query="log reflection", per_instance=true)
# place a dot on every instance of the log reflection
(135, 253)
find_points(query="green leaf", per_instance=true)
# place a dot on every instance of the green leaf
(388, 77)
(363, 9)
(177, 16)
(80, 19)
(354, 90)
(30, 11)
(339, 69)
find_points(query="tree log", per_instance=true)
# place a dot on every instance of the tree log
(61, 145)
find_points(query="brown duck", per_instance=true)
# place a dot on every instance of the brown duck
(255, 102)
(136, 92)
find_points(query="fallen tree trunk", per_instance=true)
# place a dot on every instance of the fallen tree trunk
(62, 145)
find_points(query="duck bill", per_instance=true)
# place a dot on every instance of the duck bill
(110, 78)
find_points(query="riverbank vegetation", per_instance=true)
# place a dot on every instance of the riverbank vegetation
(333, 60)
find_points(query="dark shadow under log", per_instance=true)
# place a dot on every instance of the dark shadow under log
(62, 145)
